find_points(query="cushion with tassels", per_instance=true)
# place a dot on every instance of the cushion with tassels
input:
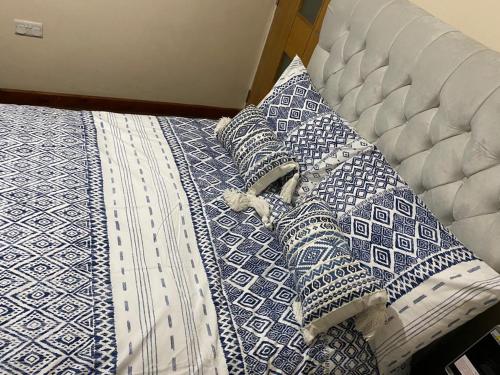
(261, 159)
(331, 285)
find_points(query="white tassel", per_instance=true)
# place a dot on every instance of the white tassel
(239, 201)
(288, 188)
(297, 311)
(369, 321)
(236, 200)
(223, 122)
(262, 208)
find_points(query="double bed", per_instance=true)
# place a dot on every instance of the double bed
(118, 253)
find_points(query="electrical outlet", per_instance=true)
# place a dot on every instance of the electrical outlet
(29, 28)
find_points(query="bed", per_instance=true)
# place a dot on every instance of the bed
(118, 253)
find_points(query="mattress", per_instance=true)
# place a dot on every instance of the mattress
(119, 255)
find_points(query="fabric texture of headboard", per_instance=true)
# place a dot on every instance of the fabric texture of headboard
(429, 98)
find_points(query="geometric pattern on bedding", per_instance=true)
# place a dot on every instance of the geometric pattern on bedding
(56, 305)
(292, 100)
(364, 175)
(251, 286)
(434, 283)
(388, 226)
(392, 232)
(315, 138)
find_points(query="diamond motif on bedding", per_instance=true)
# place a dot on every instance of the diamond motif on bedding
(34, 324)
(10, 281)
(14, 232)
(381, 215)
(295, 114)
(285, 100)
(270, 254)
(361, 228)
(284, 295)
(40, 268)
(232, 239)
(278, 274)
(13, 257)
(42, 243)
(404, 208)
(228, 222)
(67, 307)
(236, 257)
(32, 359)
(241, 278)
(258, 324)
(282, 125)
(250, 300)
(427, 233)
(67, 337)
(404, 243)
(311, 105)
(265, 351)
(321, 135)
(300, 91)
(262, 237)
(382, 256)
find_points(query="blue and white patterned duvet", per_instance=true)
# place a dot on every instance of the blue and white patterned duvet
(119, 255)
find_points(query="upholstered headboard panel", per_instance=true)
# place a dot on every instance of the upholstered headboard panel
(429, 97)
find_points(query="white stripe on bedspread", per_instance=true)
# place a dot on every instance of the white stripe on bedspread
(165, 318)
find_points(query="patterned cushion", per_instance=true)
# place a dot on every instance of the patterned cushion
(293, 99)
(260, 157)
(314, 139)
(433, 282)
(312, 177)
(331, 286)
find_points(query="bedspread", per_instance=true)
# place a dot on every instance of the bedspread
(119, 255)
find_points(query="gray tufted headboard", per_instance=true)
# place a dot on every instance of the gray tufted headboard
(429, 97)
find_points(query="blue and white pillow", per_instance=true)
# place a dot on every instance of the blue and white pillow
(259, 156)
(434, 283)
(331, 286)
(313, 176)
(319, 145)
(319, 136)
(292, 100)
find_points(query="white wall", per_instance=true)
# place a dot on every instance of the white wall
(479, 19)
(185, 51)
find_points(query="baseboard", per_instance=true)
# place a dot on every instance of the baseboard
(96, 103)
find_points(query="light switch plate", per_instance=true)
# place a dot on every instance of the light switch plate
(28, 28)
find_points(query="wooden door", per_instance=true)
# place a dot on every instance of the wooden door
(294, 31)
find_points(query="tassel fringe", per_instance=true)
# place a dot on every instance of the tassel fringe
(239, 201)
(370, 320)
(288, 188)
(297, 311)
(236, 200)
(223, 122)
